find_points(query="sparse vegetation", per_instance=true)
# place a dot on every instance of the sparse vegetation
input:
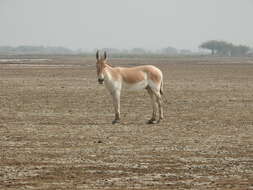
(35, 50)
(48, 50)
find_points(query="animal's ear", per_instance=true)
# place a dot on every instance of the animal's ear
(97, 55)
(105, 55)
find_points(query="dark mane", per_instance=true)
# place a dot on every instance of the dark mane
(109, 64)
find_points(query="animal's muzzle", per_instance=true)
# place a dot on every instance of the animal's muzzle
(101, 81)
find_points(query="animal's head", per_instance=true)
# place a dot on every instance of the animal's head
(101, 64)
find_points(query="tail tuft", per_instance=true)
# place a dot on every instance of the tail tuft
(161, 88)
(162, 93)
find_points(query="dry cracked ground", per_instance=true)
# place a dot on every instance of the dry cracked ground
(56, 131)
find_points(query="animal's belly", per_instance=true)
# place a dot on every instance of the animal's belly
(136, 86)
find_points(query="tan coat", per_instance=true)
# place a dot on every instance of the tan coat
(146, 77)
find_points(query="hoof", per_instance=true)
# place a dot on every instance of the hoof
(159, 120)
(151, 121)
(115, 121)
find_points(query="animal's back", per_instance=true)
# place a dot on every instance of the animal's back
(135, 74)
(140, 77)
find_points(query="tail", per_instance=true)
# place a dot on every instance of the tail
(161, 89)
(162, 93)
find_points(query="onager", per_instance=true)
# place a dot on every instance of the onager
(134, 78)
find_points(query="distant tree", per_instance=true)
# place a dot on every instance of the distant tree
(6, 49)
(250, 52)
(169, 51)
(185, 51)
(210, 45)
(138, 51)
(240, 50)
(216, 47)
(34, 50)
(223, 48)
(111, 50)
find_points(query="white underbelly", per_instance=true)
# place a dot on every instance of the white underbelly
(136, 86)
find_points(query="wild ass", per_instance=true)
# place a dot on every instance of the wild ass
(134, 78)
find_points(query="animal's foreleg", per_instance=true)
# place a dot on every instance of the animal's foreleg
(116, 104)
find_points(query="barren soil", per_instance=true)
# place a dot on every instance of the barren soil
(56, 131)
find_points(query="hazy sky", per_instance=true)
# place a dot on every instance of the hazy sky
(149, 24)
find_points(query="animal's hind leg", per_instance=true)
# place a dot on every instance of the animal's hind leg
(154, 105)
(159, 102)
